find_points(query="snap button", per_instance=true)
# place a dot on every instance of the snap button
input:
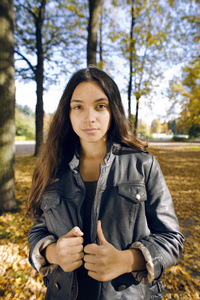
(45, 207)
(57, 286)
(138, 197)
(121, 287)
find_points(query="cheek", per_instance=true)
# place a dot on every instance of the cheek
(109, 119)
(75, 123)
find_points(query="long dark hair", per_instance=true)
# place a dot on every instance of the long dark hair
(61, 140)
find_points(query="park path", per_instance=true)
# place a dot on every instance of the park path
(28, 147)
(24, 148)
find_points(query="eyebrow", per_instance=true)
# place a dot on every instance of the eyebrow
(81, 101)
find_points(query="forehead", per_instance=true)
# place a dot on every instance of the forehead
(88, 90)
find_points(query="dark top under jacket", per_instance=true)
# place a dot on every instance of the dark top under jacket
(87, 286)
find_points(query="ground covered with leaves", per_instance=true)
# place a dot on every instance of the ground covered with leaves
(181, 168)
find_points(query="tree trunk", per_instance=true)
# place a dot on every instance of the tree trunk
(39, 78)
(136, 116)
(101, 41)
(93, 26)
(39, 113)
(7, 108)
(131, 63)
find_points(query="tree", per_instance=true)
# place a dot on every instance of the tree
(189, 90)
(132, 50)
(7, 104)
(156, 126)
(142, 40)
(185, 89)
(95, 7)
(24, 123)
(154, 42)
(186, 25)
(144, 50)
(38, 15)
(100, 64)
(44, 41)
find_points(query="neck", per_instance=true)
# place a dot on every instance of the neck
(93, 150)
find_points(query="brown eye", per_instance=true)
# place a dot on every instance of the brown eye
(101, 106)
(77, 107)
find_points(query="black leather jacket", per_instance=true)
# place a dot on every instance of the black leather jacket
(136, 210)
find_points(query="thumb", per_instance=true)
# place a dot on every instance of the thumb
(75, 232)
(100, 235)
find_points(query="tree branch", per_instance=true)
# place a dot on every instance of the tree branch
(26, 60)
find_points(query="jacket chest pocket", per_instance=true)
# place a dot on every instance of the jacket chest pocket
(121, 207)
(60, 213)
(51, 206)
(131, 200)
(133, 192)
(123, 200)
(50, 201)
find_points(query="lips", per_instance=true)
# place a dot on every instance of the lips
(90, 130)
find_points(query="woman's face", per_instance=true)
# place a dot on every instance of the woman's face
(90, 114)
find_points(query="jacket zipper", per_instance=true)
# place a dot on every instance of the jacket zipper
(96, 205)
(80, 183)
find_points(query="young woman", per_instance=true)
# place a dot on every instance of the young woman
(105, 226)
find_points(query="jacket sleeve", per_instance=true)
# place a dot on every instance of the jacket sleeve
(39, 238)
(162, 247)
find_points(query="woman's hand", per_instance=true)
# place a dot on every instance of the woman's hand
(104, 262)
(68, 251)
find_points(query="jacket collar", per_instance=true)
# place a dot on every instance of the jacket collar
(74, 163)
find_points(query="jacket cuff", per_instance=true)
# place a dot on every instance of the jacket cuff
(40, 263)
(146, 276)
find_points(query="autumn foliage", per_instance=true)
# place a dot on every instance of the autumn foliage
(18, 280)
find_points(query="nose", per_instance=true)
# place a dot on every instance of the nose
(90, 116)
